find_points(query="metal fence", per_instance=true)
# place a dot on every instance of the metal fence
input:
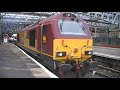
(110, 37)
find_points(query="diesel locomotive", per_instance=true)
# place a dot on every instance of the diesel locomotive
(63, 42)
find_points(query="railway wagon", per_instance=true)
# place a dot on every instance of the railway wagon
(63, 42)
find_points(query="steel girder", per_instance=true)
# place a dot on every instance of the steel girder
(100, 19)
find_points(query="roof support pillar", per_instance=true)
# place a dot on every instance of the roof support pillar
(0, 29)
(119, 20)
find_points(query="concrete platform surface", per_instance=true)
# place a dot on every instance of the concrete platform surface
(107, 52)
(15, 64)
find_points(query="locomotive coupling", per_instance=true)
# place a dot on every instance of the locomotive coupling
(65, 67)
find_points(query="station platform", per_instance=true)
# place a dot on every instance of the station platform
(15, 64)
(113, 53)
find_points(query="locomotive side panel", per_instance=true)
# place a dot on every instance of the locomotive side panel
(28, 39)
(39, 38)
(32, 39)
(21, 38)
(45, 39)
(25, 39)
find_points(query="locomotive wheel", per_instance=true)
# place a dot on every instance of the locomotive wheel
(60, 73)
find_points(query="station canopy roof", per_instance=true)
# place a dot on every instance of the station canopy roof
(13, 21)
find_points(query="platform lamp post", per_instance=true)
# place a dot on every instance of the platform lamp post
(119, 21)
(119, 29)
(95, 28)
(95, 31)
(109, 36)
(0, 29)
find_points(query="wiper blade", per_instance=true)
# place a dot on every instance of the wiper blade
(61, 27)
(61, 24)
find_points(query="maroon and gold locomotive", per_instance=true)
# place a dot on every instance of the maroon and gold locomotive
(63, 42)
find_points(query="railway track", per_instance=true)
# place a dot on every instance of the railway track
(109, 68)
(108, 62)
(106, 72)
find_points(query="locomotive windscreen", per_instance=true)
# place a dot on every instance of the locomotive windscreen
(72, 27)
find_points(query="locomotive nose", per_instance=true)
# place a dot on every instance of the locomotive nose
(65, 67)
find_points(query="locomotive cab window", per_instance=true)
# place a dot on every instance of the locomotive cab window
(68, 27)
(32, 38)
(44, 30)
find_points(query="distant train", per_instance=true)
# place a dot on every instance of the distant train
(63, 42)
(13, 38)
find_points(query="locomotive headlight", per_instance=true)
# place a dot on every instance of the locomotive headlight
(60, 54)
(69, 14)
(88, 52)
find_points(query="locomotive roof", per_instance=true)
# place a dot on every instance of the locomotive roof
(45, 20)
